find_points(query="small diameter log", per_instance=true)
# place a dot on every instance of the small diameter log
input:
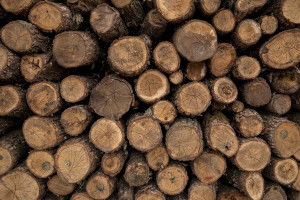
(219, 135)
(12, 149)
(40, 163)
(128, 56)
(112, 97)
(209, 167)
(199, 190)
(75, 49)
(42, 132)
(274, 191)
(158, 158)
(8, 124)
(287, 13)
(253, 154)
(149, 192)
(226, 192)
(107, 135)
(196, 71)
(137, 172)
(32, 39)
(43, 98)
(100, 186)
(242, 8)
(172, 179)
(154, 25)
(282, 50)
(164, 111)
(235, 107)
(112, 163)
(59, 187)
(166, 57)
(223, 21)
(21, 184)
(13, 102)
(282, 135)
(248, 123)
(81, 195)
(279, 104)
(250, 183)
(53, 17)
(192, 99)
(76, 159)
(184, 140)
(40, 67)
(268, 24)
(176, 78)
(256, 92)
(107, 23)
(16, 7)
(246, 68)
(9, 66)
(175, 11)
(151, 86)
(124, 190)
(281, 170)
(144, 133)
(131, 11)
(223, 60)
(75, 119)
(246, 34)
(209, 7)
(196, 40)
(84, 6)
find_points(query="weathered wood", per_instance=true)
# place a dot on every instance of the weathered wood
(287, 13)
(209, 7)
(125, 191)
(112, 163)
(274, 191)
(246, 68)
(84, 6)
(293, 195)
(242, 8)
(235, 107)
(280, 104)
(158, 158)
(164, 111)
(268, 24)
(149, 192)
(199, 190)
(196, 71)
(17, 8)
(224, 21)
(226, 192)
(40, 163)
(59, 187)
(176, 78)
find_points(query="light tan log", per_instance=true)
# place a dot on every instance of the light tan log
(199, 190)
(226, 192)
(246, 68)
(176, 78)
(242, 8)
(81, 196)
(287, 13)
(40, 163)
(16, 7)
(209, 7)
(268, 24)
(158, 158)
(84, 6)
(59, 187)
(280, 104)
(224, 21)
(164, 111)
(236, 107)
(223, 90)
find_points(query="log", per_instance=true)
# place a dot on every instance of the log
(158, 158)
(246, 68)
(43, 132)
(280, 104)
(164, 111)
(107, 135)
(176, 78)
(76, 119)
(242, 8)
(282, 170)
(296, 184)
(223, 60)
(226, 192)
(192, 99)
(76, 159)
(59, 187)
(151, 86)
(177, 11)
(149, 192)
(112, 163)
(107, 23)
(196, 40)
(209, 167)
(75, 49)
(256, 92)
(124, 190)
(128, 56)
(8, 124)
(235, 107)
(32, 39)
(43, 98)
(253, 154)
(166, 58)
(144, 133)
(282, 50)
(80, 195)
(40, 163)
(53, 17)
(209, 7)
(287, 13)
(268, 24)
(294, 195)
(219, 135)
(199, 190)
(248, 123)
(223, 21)
(184, 140)
(196, 71)
(100, 186)
(172, 179)
(12, 149)
(274, 191)
(112, 97)
(282, 135)
(84, 6)
(17, 8)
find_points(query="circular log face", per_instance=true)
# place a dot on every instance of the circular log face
(249, 32)
(40, 163)
(121, 3)
(224, 91)
(59, 187)
(31, 65)
(268, 24)
(9, 99)
(73, 89)
(157, 158)
(201, 191)
(15, 6)
(99, 186)
(290, 11)
(247, 68)
(112, 164)
(224, 21)
(257, 92)
(6, 160)
(254, 185)
(286, 171)
(164, 111)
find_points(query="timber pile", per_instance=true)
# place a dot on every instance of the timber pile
(150, 99)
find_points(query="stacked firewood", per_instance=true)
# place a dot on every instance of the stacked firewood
(150, 99)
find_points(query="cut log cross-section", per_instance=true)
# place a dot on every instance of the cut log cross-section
(223, 90)
(287, 12)
(176, 78)
(224, 21)
(16, 7)
(112, 163)
(268, 24)
(59, 187)
(149, 192)
(196, 71)
(209, 7)
(199, 190)
(164, 111)
(246, 68)
(40, 163)
(157, 158)
(242, 8)
(279, 104)
(274, 191)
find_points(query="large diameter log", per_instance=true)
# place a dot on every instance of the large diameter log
(199, 190)
(274, 191)
(246, 68)
(209, 7)
(76, 159)
(242, 8)
(196, 40)
(75, 49)
(40, 163)
(184, 140)
(112, 163)
(149, 192)
(157, 158)
(224, 21)
(16, 7)
(32, 40)
(280, 104)
(287, 13)
(59, 187)
(282, 50)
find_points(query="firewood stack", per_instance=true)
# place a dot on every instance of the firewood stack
(150, 99)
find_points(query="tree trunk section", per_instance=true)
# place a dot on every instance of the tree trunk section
(236, 107)
(196, 71)
(224, 21)
(17, 8)
(164, 111)
(246, 68)
(268, 24)
(199, 190)
(59, 187)
(84, 6)
(176, 78)
(242, 8)
(226, 192)
(149, 192)
(112, 163)
(40, 163)
(158, 158)
(287, 13)
(280, 104)
(125, 191)
(274, 191)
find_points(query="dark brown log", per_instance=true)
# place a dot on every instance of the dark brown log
(280, 104)
(51, 196)
(184, 140)
(196, 40)
(181, 196)
(112, 97)
(81, 195)
(287, 13)
(226, 192)
(112, 163)
(158, 158)
(32, 39)
(235, 107)
(149, 192)
(296, 100)
(293, 195)
(84, 6)
(209, 7)
(274, 191)
(7, 124)
(17, 8)
(199, 190)
(40, 163)
(125, 191)
(164, 111)
(59, 187)
(176, 78)
(224, 21)
(196, 71)
(107, 23)
(242, 8)
(246, 68)
(268, 24)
